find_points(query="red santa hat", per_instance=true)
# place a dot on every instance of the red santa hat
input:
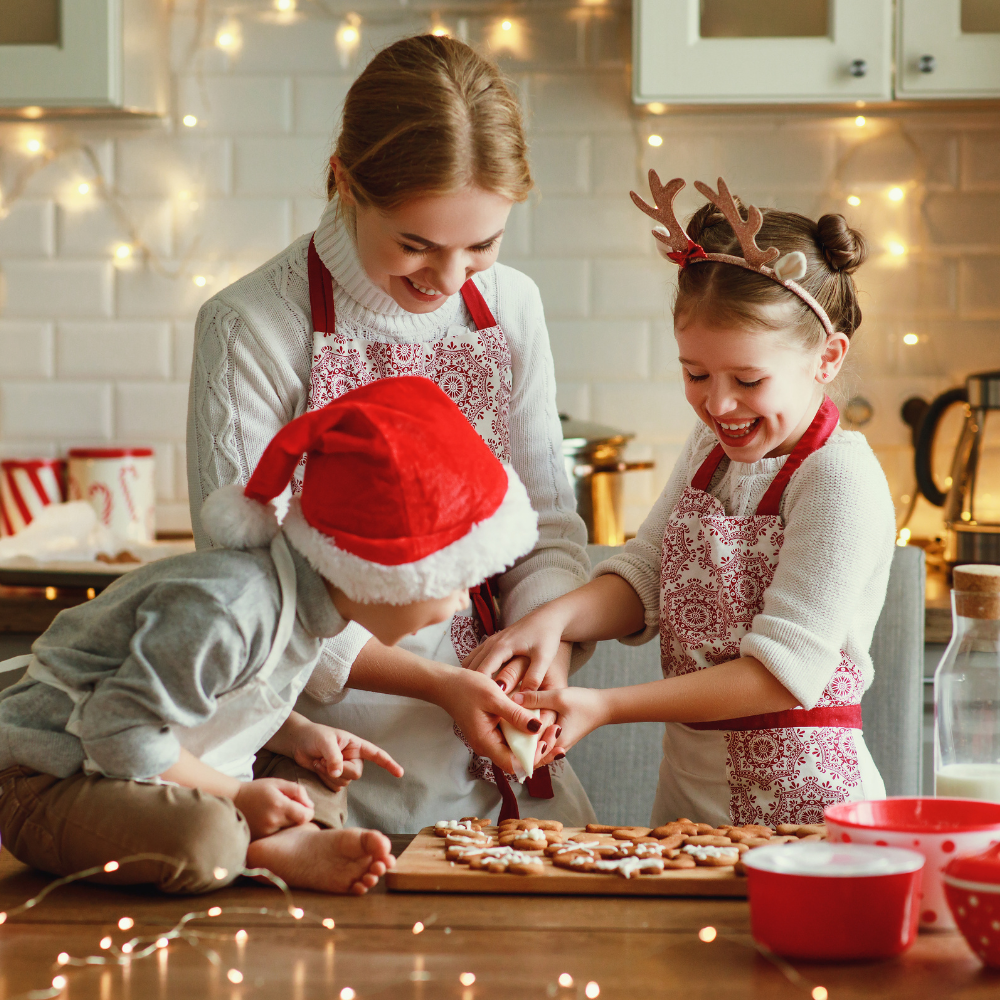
(401, 500)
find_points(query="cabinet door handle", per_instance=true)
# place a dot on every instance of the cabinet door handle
(859, 67)
(926, 64)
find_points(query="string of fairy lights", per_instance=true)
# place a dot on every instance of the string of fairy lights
(187, 930)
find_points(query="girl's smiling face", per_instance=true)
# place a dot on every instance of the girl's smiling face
(424, 251)
(757, 389)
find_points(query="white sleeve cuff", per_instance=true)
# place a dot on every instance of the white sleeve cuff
(784, 648)
(328, 681)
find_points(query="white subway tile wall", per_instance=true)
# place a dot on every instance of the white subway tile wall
(96, 347)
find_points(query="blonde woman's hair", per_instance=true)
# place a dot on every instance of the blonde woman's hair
(429, 116)
(729, 295)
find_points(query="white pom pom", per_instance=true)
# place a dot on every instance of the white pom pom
(792, 266)
(235, 521)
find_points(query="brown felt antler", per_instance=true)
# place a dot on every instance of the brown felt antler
(745, 230)
(674, 237)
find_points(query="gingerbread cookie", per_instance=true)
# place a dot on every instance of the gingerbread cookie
(711, 856)
(514, 863)
(445, 826)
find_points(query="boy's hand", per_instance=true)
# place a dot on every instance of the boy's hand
(580, 710)
(337, 756)
(271, 804)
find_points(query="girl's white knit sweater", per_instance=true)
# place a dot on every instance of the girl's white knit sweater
(830, 583)
(250, 377)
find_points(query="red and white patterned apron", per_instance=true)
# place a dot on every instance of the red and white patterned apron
(784, 767)
(474, 368)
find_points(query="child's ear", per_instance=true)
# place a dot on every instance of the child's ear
(343, 187)
(832, 357)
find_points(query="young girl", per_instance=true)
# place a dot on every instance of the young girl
(763, 565)
(400, 277)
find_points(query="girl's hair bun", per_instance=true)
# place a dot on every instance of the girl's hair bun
(845, 249)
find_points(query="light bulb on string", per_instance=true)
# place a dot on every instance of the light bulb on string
(565, 979)
(348, 39)
(229, 36)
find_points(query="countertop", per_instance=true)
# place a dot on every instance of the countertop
(516, 947)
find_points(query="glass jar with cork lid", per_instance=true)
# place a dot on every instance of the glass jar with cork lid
(967, 690)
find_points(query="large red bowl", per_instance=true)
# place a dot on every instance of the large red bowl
(940, 829)
(833, 902)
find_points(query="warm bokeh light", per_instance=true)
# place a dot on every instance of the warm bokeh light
(904, 534)
(83, 188)
(347, 993)
(910, 338)
(214, 911)
(896, 249)
(440, 31)
(707, 934)
(105, 942)
(126, 924)
(860, 121)
(162, 942)
(655, 140)
(59, 982)
(51, 593)
(220, 873)
(229, 37)
(418, 927)
(853, 200)
(190, 121)
(127, 948)
(297, 912)
(467, 978)
(819, 993)
(62, 958)
(241, 936)
(200, 280)
(123, 251)
(33, 146)
(656, 108)
(592, 990)
(328, 923)
(285, 6)
(234, 976)
(32, 111)
(506, 25)
(565, 979)
(895, 194)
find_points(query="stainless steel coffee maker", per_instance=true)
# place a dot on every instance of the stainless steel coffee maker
(971, 494)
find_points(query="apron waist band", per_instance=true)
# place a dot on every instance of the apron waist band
(836, 717)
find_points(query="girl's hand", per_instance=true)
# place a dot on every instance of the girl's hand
(580, 711)
(477, 704)
(271, 804)
(337, 756)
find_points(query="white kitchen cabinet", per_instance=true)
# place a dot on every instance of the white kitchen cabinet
(760, 51)
(948, 48)
(97, 56)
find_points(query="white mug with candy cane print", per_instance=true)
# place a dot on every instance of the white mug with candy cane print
(119, 484)
(27, 486)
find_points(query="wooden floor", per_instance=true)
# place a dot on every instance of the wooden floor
(516, 946)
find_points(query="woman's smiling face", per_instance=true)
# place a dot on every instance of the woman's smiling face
(424, 251)
(757, 389)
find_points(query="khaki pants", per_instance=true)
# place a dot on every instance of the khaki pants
(331, 806)
(65, 825)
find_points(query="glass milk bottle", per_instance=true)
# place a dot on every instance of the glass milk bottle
(967, 690)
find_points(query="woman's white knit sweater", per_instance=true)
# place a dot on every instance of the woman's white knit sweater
(250, 377)
(830, 583)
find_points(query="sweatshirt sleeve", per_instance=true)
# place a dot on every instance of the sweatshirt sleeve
(638, 564)
(186, 649)
(558, 563)
(245, 386)
(833, 571)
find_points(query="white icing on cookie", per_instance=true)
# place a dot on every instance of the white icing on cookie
(452, 824)
(703, 851)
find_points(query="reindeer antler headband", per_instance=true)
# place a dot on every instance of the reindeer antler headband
(684, 251)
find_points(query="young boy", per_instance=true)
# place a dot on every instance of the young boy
(135, 728)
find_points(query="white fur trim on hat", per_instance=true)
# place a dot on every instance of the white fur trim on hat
(489, 548)
(235, 521)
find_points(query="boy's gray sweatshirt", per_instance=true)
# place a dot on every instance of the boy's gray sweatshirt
(156, 649)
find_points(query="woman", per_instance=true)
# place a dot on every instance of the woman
(401, 277)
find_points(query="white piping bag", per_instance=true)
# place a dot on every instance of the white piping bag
(522, 745)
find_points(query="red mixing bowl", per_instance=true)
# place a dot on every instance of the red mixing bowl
(833, 902)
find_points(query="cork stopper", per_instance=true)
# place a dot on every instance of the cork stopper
(977, 591)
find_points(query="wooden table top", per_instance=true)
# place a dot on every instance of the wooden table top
(516, 946)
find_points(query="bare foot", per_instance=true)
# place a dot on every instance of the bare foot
(307, 857)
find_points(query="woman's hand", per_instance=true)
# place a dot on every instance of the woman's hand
(337, 756)
(271, 804)
(477, 704)
(523, 652)
(580, 711)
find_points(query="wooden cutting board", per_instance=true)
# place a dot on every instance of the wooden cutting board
(422, 867)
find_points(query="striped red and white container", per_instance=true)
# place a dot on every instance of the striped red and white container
(27, 486)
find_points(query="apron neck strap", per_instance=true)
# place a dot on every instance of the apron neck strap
(320, 293)
(324, 316)
(703, 477)
(816, 435)
(476, 304)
